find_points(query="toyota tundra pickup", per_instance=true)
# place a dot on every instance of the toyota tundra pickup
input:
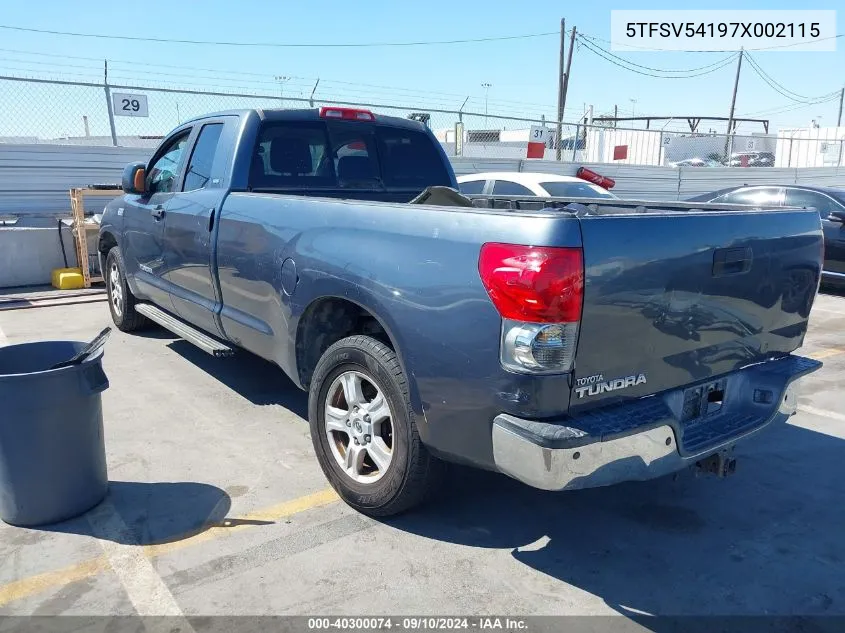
(567, 343)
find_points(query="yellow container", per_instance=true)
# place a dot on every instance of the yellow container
(68, 279)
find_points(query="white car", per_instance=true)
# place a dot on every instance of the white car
(507, 183)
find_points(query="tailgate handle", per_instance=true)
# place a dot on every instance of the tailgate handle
(731, 261)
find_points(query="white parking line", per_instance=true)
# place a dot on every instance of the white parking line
(145, 588)
(824, 413)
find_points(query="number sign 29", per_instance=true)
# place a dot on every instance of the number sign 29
(126, 104)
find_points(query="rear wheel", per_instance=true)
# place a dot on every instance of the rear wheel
(363, 429)
(121, 300)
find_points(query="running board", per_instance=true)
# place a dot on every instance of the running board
(183, 330)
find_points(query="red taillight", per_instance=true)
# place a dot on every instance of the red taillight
(347, 114)
(535, 284)
(597, 179)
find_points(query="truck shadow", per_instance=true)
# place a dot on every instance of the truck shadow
(254, 378)
(767, 540)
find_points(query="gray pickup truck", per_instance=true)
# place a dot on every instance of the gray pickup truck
(567, 343)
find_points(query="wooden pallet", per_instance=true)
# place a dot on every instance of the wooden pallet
(82, 229)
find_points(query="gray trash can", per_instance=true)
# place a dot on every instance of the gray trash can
(52, 454)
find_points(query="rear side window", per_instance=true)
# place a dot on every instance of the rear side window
(575, 190)
(202, 158)
(471, 187)
(508, 188)
(409, 159)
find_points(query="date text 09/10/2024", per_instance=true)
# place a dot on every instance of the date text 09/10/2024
(416, 624)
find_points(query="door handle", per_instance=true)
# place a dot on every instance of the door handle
(158, 212)
(732, 261)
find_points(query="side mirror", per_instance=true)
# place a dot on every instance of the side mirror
(837, 216)
(134, 176)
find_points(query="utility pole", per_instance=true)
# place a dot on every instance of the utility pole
(733, 105)
(841, 99)
(562, 98)
(615, 115)
(560, 75)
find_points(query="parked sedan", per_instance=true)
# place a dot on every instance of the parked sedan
(506, 183)
(696, 162)
(829, 201)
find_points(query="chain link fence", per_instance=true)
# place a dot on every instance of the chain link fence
(82, 113)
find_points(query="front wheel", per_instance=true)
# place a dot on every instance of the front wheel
(121, 299)
(363, 429)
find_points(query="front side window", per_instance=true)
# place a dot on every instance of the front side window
(202, 158)
(803, 198)
(164, 171)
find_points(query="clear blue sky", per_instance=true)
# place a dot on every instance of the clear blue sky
(523, 73)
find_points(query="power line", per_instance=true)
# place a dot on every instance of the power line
(601, 53)
(792, 107)
(301, 81)
(780, 88)
(725, 60)
(278, 44)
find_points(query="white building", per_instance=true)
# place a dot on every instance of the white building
(811, 147)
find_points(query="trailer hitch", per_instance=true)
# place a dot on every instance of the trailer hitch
(720, 464)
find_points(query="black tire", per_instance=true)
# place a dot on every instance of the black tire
(127, 319)
(413, 472)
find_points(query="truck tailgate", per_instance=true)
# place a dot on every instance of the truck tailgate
(674, 299)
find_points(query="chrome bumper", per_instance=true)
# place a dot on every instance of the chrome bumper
(547, 459)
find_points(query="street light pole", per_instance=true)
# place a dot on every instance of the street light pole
(282, 79)
(486, 87)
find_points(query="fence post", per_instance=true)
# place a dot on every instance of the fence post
(575, 141)
(108, 102)
(680, 176)
(660, 150)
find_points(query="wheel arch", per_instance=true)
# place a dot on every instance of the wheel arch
(328, 319)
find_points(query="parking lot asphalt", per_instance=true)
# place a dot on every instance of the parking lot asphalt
(217, 507)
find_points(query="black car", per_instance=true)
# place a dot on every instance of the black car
(829, 201)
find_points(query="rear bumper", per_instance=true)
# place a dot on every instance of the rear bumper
(647, 438)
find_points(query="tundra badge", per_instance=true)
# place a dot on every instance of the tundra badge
(596, 384)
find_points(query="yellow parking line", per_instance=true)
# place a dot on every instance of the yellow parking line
(826, 353)
(60, 577)
(228, 526)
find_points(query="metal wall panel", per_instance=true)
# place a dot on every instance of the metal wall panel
(35, 179)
